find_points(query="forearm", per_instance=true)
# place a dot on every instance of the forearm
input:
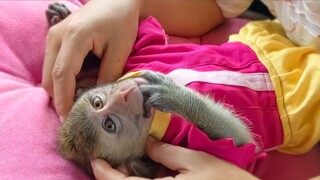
(184, 17)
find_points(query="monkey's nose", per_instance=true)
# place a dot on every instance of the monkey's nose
(125, 92)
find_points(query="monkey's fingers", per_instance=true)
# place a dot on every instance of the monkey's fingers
(56, 13)
(61, 9)
(153, 77)
(152, 96)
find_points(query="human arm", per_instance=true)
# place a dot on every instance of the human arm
(99, 27)
(108, 28)
(188, 163)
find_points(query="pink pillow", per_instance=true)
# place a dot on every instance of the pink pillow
(29, 124)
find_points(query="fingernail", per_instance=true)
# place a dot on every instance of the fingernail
(99, 163)
(93, 162)
(61, 118)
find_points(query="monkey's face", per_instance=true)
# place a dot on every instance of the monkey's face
(106, 122)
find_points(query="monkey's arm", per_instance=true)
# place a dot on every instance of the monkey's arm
(214, 119)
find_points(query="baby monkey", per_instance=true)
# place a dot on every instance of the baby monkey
(112, 122)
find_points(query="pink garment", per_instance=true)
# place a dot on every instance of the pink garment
(28, 123)
(231, 73)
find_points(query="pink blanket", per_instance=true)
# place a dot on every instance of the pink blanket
(29, 124)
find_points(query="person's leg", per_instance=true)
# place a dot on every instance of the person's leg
(178, 17)
(184, 18)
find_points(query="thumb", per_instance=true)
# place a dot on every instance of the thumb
(173, 157)
(103, 171)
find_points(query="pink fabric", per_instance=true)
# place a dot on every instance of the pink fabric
(217, 36)
(152, 53)
(259, 107)
(182, 133)
(285, 166)
(28, 123)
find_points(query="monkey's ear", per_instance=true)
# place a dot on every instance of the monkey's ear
(69, 141)
(143, 167)
(66, 145)
(69, 151)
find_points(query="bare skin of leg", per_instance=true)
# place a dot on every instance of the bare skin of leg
(186, 18)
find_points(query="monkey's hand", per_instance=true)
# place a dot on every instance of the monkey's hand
(213, 118)
(161, 92)
(56, 12)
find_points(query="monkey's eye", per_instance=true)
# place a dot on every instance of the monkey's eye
(97, 102)
(109, 125)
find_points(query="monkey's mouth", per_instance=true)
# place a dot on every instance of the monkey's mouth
(147, 110)
(146, 106)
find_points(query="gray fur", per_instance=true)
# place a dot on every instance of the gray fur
(215, 120)
(82, 136)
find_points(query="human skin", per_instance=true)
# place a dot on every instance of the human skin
(184, 18)
(99, 27)
(189, 164)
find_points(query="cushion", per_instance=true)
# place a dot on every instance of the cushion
(29, 142)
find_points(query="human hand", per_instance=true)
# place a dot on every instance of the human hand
(106, 27)
(188, 163)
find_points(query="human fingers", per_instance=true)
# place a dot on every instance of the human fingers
(103, 171)
(114, 59)
(51, 52)
(66, 67)
(123, 34)
(181, 159)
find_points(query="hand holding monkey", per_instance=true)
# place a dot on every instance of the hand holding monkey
(189, 163)
(98, 27)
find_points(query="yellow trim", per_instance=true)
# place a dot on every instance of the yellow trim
(160, 123)
(160, 120)
(131, 74)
